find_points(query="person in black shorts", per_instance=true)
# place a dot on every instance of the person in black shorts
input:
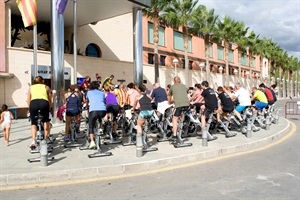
(211, 102)
(226, 105)
(178, 96)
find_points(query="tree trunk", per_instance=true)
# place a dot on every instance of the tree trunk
(226, 46)
(186, 59)
(155, 41)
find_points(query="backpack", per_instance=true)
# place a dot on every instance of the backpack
(73, 105)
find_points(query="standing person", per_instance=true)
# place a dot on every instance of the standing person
(6, 118)
(211, 103)
(243, 98)
(73, 108)
(84, 86)
(178, 92)
(99, 80)
(39, 99)
(95, 101)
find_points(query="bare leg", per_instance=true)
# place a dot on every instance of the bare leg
(46, 129)
(33, 132)
(175, 125)
(236, 113)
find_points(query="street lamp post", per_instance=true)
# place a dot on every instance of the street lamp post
(235, 72)
(202, 65)
(257, 77)
(175, 61)
(221, 72)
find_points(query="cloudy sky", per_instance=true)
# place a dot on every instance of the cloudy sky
(276, 19)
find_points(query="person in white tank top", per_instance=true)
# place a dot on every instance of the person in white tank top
(5, 121)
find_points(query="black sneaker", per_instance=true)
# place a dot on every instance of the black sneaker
(173, 139)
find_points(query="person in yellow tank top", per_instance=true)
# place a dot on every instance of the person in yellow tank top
(260, 98)
(39, 98)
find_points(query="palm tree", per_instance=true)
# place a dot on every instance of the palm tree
(203, 24)
(291, 67)
(252, 49)
(178, 14)
(227, 31)
(16, 26)
(241, 41)
(153, 13)
(265, 47)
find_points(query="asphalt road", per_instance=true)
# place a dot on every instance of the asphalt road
(272, 173)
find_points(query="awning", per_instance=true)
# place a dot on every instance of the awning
(88, 11)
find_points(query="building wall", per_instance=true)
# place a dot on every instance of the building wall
(2, 36)
(197, 55)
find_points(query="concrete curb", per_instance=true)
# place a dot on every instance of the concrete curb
(138, 167)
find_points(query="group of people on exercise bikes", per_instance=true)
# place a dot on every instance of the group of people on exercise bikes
(94, 101)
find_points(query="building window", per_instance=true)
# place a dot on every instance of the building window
(220, 53)
(93, 50)
(190, 64)
(230, 55)
(179, 43)
(244, 60)
(163, 60)
(150, 58)
(161, 35)
(183, 63)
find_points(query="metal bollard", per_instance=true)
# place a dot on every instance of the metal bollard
(139, 145)
(44, 153)
(276, 116)
(268, 122)
(204, 137)
(249, 128)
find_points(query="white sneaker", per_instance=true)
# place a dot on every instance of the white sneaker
(92, 145)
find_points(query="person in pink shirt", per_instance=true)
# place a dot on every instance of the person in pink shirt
(195, 98)
(132, 93)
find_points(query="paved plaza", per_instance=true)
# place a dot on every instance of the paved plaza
(74, 164)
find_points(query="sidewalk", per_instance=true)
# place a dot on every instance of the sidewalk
(73, 164)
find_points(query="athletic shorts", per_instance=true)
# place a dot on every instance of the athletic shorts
(114, 109)
(178, 111)
(93, 117)
(145, 114)
(35, 106)
(260, 105)
(240, 108)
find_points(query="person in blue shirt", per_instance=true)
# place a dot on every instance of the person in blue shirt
(95, 101)
(159, 94)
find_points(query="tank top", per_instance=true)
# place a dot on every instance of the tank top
(111, 99)
(38, 91)
(145, 102)
(73, 104)
(6, 118)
